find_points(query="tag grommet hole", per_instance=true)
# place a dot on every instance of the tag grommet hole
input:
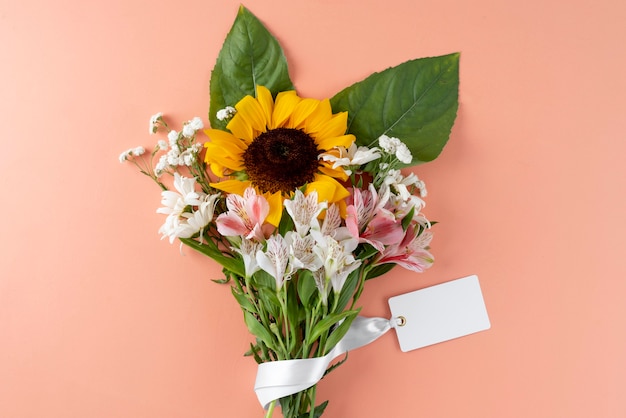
(401, 321)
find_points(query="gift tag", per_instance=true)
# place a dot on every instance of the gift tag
(439, 313)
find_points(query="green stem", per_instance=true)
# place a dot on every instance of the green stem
(313, 392)
(270, 410)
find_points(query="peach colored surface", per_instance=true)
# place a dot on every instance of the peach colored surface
(99, 318)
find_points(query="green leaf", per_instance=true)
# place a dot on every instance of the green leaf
(379, 270)
(306, 287)
(258, 330)
(415, 101)
(317, 413)
(250, 56)
(325, 324)
(406, 221)
(347, 291)
(233, 265)
(243, 301)
(340, 331)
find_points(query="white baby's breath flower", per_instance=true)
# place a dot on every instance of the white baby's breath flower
(188, 131)
(154, 122)
(173, 137)
(131, 152)
(161, 166)
(226, 113)
(187, 157)
(196, 123)
(162, 145)
(125, 155)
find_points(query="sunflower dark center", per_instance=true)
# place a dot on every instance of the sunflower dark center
(281, 159)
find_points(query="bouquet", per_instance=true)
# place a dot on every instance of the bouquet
(300, 200)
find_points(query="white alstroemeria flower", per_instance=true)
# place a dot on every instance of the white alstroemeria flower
(154, 122)
(304, 210)
(353, 156)
(301, 255)
(322, 284)
(337, 259)
(248, 250)
(174, 204)
(226, 113)
(400, 184)
(275, 260)
(198, 219)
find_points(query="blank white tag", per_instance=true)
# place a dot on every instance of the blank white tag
(439, 313)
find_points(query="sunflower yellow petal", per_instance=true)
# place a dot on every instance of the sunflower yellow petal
(286, 101)
(329, 143)
(328, 189)
(232, 186)
(336, 126)
(301, 112)
(276, 208)
(264, 97)
(318, 118)
(338, 173)
(240, 128)
(250, 119)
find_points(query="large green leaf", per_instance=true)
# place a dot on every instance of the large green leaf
(415, 101)
(250, 56)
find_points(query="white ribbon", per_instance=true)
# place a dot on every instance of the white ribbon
(277, 379)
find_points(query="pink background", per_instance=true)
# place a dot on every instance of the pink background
(99, 318)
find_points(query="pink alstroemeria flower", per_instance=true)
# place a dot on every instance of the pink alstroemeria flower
(245, 217)
(370, 222)
(411, 253)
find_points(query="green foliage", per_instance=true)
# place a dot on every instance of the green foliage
(250, 56)
(258, 330)
(341, 330)
(415, 101)
(324, 325)
(306, 288)
(209, 248)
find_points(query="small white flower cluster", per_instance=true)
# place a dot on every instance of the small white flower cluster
(180, 151)
(226, 113)
(154, 122)
(132, 152)
(395, 147)
(191, 127)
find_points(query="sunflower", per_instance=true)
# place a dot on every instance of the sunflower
(273, 146)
